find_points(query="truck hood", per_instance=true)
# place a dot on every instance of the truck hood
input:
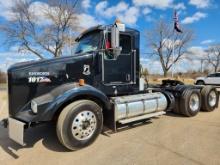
(28, 64)
(29, 80)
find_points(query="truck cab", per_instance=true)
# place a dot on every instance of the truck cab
(106, 66)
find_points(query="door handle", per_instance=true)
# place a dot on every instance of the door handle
(128, 77)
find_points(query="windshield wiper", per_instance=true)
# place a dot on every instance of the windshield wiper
(79, 51)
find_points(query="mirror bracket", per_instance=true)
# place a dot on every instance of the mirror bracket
(115, 41)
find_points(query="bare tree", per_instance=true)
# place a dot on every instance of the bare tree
(198, 55)
(44, 34)
(162, 38)
(144, 72)
(213, 56)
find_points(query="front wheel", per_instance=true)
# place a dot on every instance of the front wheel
(79, 124)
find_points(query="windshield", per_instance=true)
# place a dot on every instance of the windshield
(89, 42)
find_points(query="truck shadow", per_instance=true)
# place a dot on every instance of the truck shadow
(171, 114)
(46, 133)
(107, 131)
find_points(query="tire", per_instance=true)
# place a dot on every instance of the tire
(79, 124)
(190, 102)
(209, 98)
(200, 82)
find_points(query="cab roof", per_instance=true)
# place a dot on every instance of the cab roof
(103, 27)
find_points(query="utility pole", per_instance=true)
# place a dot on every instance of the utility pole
(173, 54)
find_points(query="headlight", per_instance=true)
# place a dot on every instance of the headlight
(34, 106)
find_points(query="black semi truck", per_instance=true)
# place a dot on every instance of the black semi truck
(98, 84)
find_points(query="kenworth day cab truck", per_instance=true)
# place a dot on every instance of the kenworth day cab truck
(97, 85)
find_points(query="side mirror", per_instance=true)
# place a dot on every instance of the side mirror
(115, 41)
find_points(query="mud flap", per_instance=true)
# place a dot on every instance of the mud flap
(16, 131)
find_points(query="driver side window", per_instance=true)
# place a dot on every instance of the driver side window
(125, 44)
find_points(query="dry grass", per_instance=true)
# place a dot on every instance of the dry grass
(3, 104)
(159, 80)
(3, 95)
(3, 85)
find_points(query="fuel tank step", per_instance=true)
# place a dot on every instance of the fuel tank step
(146, 116)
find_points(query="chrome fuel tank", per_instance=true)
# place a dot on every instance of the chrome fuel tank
(134, 105)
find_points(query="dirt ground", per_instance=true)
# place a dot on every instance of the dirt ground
(170, 139)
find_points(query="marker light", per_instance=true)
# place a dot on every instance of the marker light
(81, 82)
(120, 25)
(117, 21)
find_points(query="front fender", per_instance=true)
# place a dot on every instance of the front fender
(51, 102)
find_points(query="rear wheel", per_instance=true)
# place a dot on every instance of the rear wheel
(209, 98)
(79, 124)
(190, 102)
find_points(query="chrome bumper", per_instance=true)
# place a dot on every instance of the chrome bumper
(16, 131)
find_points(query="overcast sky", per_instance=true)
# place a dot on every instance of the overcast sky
(200, 15)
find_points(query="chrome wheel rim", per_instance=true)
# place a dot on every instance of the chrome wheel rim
(212, 98)
(84, 124)
(194, 102)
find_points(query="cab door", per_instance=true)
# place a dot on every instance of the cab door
(120, 70)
